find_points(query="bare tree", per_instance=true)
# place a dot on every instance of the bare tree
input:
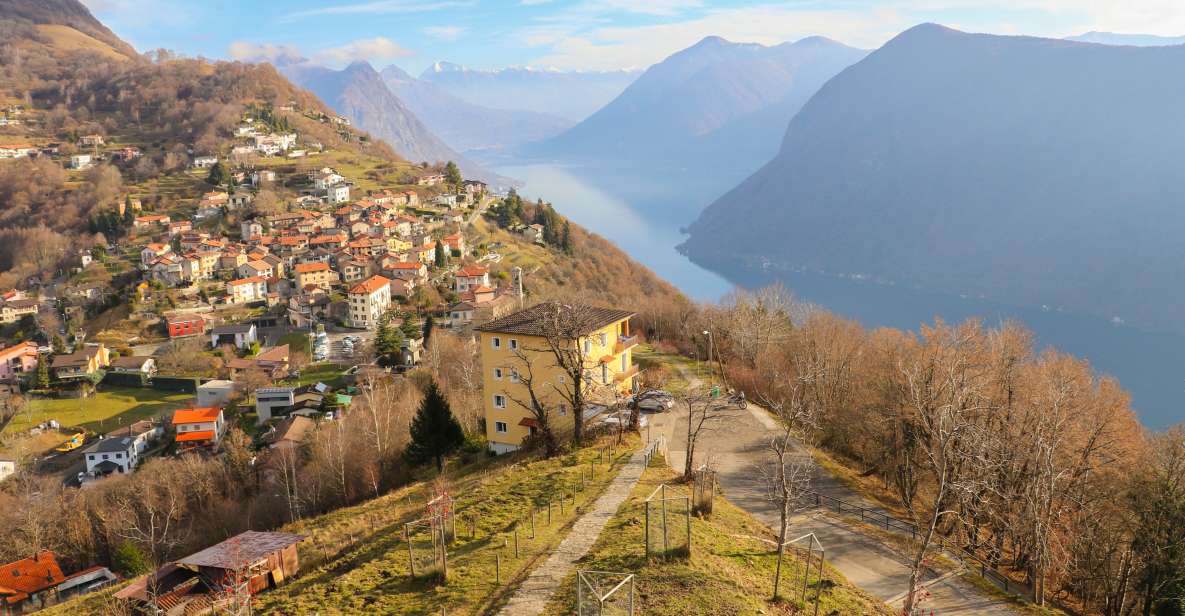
(523, 372)
(704, 412)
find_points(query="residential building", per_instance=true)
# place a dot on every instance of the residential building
(18, 359)
(152, 252)
(512, 344)
(215, 393)
(470, 277)
(182, 325)
(198, 427)
(250, 229)
(290, 432)
(246, 290)
(204, 162)
(81, 161)
(274, 401)
(315, 274)
(149, 220)
(30, 584)
(12, 310)
(7, 468)
(133, 364)
(257, 268)
(368, 300)
(84, 362)
(116, 455)
(241, 335)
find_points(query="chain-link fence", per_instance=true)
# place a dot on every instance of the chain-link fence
(668, 522)
(602, 593)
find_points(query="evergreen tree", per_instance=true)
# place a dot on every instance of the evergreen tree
(129, 560)
(411, 328)
(452, 175)
(42, 371)
(429, 323)
(59, 345)
(387, 341)
(566, 238)
(218, 175)
(440, 258)
(435, 433)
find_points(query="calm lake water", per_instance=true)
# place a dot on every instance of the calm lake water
(643, 214)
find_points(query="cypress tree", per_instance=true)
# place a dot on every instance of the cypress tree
(435, 433)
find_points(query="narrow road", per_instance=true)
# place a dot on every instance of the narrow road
(534, 593)
(736, 448)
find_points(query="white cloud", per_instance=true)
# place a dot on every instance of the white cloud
(140, 12)
(263, 52)
(378, 49)
(381, 7)
(445, 33)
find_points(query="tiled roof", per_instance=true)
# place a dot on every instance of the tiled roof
(305, 268)
(565, 319)
(30, 575)
(196, 415)
(472, 270)
(370, 285)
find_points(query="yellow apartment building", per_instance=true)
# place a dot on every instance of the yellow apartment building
(517, 345)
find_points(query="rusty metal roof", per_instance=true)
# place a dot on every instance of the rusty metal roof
(241, 550)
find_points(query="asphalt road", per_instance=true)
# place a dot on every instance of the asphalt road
(737, 446)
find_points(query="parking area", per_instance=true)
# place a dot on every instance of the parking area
(345, 347)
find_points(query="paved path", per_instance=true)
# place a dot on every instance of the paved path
(534, 593)
(738, 445)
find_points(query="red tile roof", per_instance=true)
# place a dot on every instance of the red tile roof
(370, 285)
(30, 575)
(305, 268)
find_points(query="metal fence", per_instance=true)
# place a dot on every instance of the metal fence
(603, 593)
(882, 519)
(668, 522)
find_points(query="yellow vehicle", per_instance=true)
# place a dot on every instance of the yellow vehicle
(73, 443)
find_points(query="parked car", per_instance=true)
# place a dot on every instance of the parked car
(655, 401)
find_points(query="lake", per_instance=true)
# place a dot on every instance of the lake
(643, 214)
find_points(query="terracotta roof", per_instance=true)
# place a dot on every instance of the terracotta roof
(409, 265)
(196, 415)
(529, 422)
(279, 353)
(563, 319)
(370, 285)
(304, 268)
(30, 575)
(472, 270)
(243, 281)
(189, 437)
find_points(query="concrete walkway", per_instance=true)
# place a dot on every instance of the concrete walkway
(534, 593)
(739, 445)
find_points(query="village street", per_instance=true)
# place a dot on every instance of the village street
(737, 446)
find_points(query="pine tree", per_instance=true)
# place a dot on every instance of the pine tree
(387, 341)
(435, 432)
(43, 371)
(218, 175)
(452, 175)
(411, 328)
(440, 258)
(566, 239)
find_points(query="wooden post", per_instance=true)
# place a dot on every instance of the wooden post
(561, 502)
(516, 540)
(532, 521)
(472, 526)
(665, 536)
(498, 568)
(778, 569)
(647, 528)
(549, 512)
(443, 555)
(411, 556)
(689, 527)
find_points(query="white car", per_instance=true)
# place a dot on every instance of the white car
(654, 401)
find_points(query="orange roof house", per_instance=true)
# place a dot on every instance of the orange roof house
(21, 580)
(198, 427)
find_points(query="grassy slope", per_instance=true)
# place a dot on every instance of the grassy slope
(731, 571)
(355, 560)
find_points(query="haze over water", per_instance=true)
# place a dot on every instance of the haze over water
(643, 214)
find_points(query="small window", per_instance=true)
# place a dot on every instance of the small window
(562, 379)
(497, 342)
(513, 375)
(498, 374)
(105, 456)
(563, 408)
(605, 373)
(513, 344)
(604, 339)
(119, 456)
(500, 427)
(587, 347)
(499, 401)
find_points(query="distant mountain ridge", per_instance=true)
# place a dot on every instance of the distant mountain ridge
(1137, 40)
(464, 125)
(716, 110)
(572, 95)
(359, 93)
(1031, 171)
(68, 13)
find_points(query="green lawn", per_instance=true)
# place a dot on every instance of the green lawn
(107, 410)
(329, 373)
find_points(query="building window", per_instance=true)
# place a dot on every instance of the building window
(498, 374)
(625, 361)
(605, 373)
(604, 339)
(499, 401)
(513, 344)
(500, 427)
(587, 347)
(563, 409)
(513, 375)
(497, 342)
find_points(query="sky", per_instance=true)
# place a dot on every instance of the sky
(580, 34)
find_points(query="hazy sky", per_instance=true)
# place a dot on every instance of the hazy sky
(581, 34)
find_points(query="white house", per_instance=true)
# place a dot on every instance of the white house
(214, 393)
(117, 455)
(338, 193)
(472, 277)
(246, 290)
(198, 427)
(241, 335)
(368, 300)
(80, 161)
(205, 162)
(7, 468)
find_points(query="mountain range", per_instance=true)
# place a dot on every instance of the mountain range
(359, 93)
(467, 126)
(572, 95)
(1136, 40)
(1035, 172)
(714, 110)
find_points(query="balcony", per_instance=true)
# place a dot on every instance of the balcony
(625, 376)
(623, 343)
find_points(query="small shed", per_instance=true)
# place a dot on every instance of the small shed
(262, 559)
